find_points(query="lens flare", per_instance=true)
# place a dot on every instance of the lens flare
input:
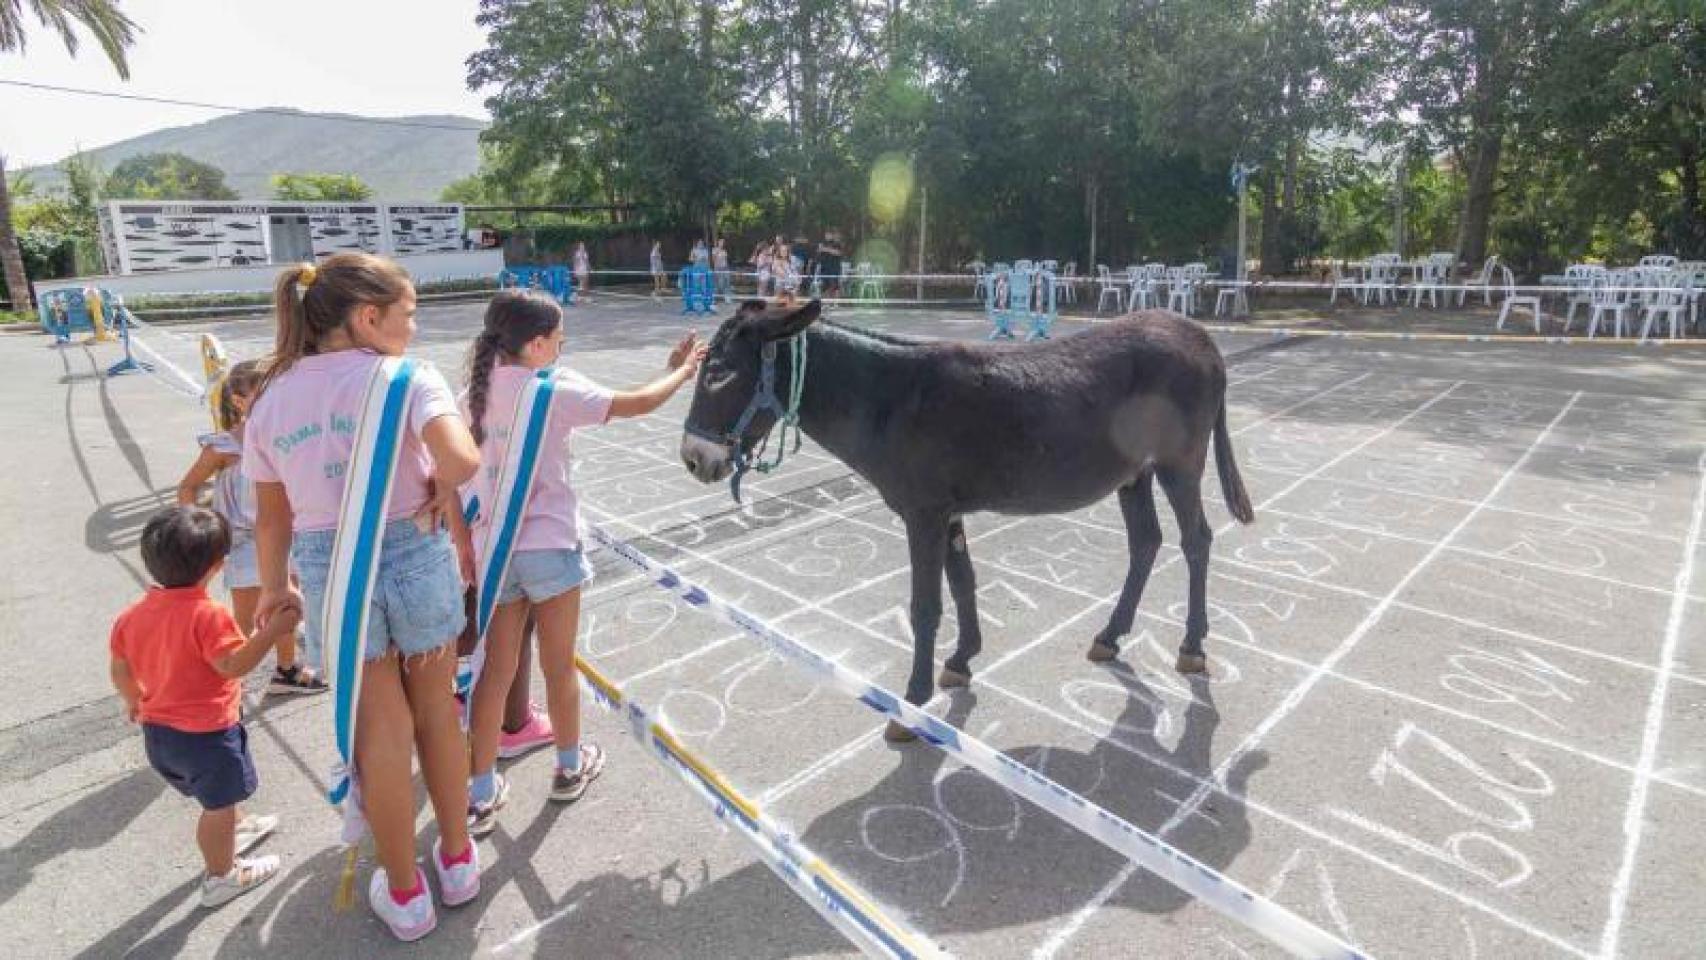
(891, 187)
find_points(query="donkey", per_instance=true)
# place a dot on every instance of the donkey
(942, 429)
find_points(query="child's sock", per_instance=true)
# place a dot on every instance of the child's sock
(402, 897)
(466, 856)
(482, 787)
(569, 760)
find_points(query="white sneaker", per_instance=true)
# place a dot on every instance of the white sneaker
(253, 829)
(245, 875)
(410, 921)
(460, 883)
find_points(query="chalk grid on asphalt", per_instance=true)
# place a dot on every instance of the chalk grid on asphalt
(1515, 536)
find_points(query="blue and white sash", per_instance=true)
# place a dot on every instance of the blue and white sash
(509, 506)
(355, 558)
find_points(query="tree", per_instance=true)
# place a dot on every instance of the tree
(1464, 68)
(114, 32)
(319, 187)
(167, 176)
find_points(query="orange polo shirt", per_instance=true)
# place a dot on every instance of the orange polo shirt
(170, 639)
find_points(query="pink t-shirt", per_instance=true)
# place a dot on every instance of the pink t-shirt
(302, 429)
(552, 521)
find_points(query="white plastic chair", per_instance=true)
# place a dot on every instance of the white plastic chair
(1694, 274)
(1108, 288)
(1230, 296)
(1611, 297)
(1669, 301)
(1580, 279)
(1179, 289)
(1066, 283)
(1513, 299)
(1382, 278)
(1357, 288)
(1482, 281)
(1429, 275)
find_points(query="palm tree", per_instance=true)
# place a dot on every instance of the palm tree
(114, 32)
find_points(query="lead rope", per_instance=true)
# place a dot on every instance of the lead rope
(791, 415)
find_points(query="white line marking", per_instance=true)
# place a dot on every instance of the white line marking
(1295, 697)
(1634, 814)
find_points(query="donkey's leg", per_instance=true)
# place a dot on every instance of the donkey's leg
(927, 542)
(1184, 492)
(962, 584)
(1143, 541)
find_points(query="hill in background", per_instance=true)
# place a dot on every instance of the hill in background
(398, 162)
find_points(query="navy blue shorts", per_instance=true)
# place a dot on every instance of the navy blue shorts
(214, 768)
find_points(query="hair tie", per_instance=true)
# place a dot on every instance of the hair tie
(306, 274)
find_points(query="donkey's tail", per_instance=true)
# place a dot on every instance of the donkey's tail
(1231, 484)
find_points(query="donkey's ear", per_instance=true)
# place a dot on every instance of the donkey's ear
(784, 325)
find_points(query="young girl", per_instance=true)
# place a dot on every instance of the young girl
(660, 280)
(784, 274)
(761, 268)
(583, 268)
(336, 324)
(234, 499)
(524, 334)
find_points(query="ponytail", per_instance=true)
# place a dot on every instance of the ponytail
(241, 379)
(514, 318)
(481, 359)
(312, 302)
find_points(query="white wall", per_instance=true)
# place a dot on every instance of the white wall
(425, 268)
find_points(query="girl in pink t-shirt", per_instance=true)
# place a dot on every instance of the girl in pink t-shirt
(524, 334)
(336, 323)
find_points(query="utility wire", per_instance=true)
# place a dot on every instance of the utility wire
(280, 111)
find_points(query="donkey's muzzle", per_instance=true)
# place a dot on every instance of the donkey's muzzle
(708, 461)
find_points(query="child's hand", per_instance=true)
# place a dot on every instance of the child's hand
(271, 603)
(284, 619)
(132, 710)
(687, 353)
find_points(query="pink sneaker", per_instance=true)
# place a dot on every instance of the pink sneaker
(459, 883)
(410, 921)
(534, 734)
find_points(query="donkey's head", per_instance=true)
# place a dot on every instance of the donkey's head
(733, 407)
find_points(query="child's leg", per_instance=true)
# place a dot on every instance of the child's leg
(503, 643)
(216, 835)
(518, 706)
(429, 681)
(384, 744)
(558, 621)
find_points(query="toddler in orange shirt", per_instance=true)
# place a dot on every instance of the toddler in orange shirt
(178, 659)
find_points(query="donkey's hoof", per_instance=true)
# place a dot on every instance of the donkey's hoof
(953, 678)
(896, 732)
(1192, 663)
(1102, 653)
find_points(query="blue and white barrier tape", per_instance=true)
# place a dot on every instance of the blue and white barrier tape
(837, 900)
(1261, 916)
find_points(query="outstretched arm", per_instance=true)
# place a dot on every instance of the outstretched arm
(683, 363)
(209, 463)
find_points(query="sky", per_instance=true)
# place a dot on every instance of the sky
(371, 57)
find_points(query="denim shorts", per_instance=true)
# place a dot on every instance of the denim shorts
(417, 595)
(214, 768)
(242, 570)
(540, 575)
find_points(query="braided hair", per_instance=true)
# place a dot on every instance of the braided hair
(514, 319)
